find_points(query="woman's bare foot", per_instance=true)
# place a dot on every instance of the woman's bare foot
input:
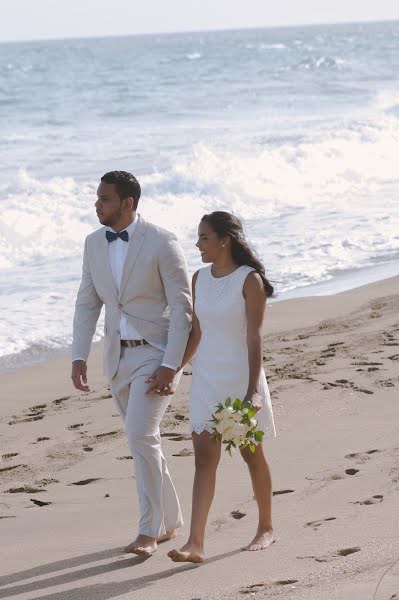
(188, 553)
(169, 535)
(260, 541)
(143, 545)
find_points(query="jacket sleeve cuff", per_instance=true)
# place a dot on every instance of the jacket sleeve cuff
(169, 366)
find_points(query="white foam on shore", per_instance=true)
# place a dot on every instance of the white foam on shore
(313, 209)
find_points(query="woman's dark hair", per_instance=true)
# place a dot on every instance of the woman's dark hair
(126, 185)
(225, 224)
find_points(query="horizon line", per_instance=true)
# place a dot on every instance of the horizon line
(196, 31)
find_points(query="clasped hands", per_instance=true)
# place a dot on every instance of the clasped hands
(160, 381)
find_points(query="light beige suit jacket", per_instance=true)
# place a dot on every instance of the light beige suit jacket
(154, 295)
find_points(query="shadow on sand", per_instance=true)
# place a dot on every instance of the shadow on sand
(99, 591)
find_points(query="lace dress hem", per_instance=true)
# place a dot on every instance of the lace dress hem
(201, 427)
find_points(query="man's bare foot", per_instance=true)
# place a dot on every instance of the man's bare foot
(260, 541)
(143, 545)
(188, 553)
(169, 535)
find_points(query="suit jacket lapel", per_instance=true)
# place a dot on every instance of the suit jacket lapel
(103, 257)
(132, 253)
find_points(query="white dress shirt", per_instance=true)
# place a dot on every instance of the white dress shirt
(117, 251)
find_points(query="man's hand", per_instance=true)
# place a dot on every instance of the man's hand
(161, 382)
(79, 375)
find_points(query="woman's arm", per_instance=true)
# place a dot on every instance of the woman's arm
(255, 304)
(195, 334)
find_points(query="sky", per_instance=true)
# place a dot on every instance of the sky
(47, 19)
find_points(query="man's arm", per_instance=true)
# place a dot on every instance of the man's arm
(173, 271)
(87, 310)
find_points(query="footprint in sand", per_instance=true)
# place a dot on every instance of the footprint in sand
(328, 557)
(34, 413)
(10, 455)
(362, 456)
(184, 452)
(351, 471)
(367, 364)
(59, 401)
(347, 551)
(386, 383)
(317, 524)
(180, 417)
(344, 383)
(257, 587)
(85, 481)
(124, 457)
(76, 426)
(39, 502)
(278, 492)
(177, 437)
(100, 436)
(45, 482)
(376, 499)
(6, 469)
(237, 514)
(25, 489)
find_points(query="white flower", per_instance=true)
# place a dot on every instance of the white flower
(225, 413)
(253, 422)
(222, 427)
(237, 416)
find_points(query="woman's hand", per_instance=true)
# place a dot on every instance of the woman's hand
(254, 399)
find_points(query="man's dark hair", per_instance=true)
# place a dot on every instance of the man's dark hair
(126, 185)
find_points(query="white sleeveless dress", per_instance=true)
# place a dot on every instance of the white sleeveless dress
(220, 367)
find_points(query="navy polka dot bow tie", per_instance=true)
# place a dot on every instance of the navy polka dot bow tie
(111, 236)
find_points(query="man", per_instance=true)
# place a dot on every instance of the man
(138, 271)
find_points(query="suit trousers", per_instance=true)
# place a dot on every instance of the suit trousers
(142, 414)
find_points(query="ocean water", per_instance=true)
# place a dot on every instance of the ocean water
(295, 130)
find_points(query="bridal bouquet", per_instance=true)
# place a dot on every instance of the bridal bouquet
(234, 421)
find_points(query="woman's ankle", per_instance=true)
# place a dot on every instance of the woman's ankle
(265, 527)
(195, 543)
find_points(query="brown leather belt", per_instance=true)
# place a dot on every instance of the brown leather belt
(133, 343)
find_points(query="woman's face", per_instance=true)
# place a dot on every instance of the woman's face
(211, 246)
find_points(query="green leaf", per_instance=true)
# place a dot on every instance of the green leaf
(237, 404)
(228, 401)
(258, 435)
(251, 413)
(252, 447)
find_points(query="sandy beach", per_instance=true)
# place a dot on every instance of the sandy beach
(67, 498)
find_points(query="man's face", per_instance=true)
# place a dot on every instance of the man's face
(109, 207)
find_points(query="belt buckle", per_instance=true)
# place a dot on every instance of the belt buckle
(133, 343)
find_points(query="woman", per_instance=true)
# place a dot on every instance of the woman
(226, 340)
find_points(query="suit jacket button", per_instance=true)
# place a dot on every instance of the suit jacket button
(120, 305)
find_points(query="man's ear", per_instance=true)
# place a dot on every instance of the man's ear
(129, 202)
